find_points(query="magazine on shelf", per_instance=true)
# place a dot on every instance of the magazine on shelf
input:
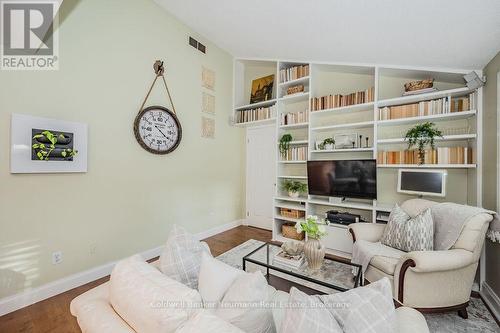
(285, 259)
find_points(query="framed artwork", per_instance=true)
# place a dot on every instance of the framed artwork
(208, 78)
(207, 103)
(43, 145)
(207, 128)
(262, 89)
(346, 141)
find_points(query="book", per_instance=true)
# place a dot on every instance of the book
(282, 258)
(336, 101)
(440, 155)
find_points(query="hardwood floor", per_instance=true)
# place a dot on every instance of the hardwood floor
(52, 315)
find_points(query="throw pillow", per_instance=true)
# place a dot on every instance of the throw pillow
(412, 234)
(367, 309)
(308, 314)
(215, 279)
(181, 257)
(148, 300)
(205, 322)
(242, 304)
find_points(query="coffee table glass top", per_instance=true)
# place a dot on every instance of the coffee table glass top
(333, 273)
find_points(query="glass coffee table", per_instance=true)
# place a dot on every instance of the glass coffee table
(334, 274)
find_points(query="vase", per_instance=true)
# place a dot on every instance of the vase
(314, 252)
(293, 194)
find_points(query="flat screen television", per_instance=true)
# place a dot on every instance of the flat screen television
(343, 178)
(422, 182)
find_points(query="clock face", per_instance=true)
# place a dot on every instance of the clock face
(157, 130)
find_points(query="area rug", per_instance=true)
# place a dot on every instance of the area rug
(480, 319)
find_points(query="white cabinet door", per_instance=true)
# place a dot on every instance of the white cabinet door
(260, 176)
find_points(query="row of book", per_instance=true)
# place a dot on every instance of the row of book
(294, 73)
(432, 107)
(243, 116)
(440, 155)
(295, 154)
(294, 118)
(336, 101)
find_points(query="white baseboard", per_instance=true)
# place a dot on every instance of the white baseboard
(491, 299)
(31, 296)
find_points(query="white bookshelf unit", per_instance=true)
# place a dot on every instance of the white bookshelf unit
(460, 129)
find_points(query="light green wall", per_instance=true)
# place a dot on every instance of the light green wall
(490, 166)
(129, 198)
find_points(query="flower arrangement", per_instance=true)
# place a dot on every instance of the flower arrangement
(312, 226)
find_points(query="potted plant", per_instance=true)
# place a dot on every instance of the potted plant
(314, 250)
(328, 143)
(45, 146)
(294, 188)
(422, 135)
(285, 143)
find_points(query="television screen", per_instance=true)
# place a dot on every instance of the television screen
(422, 182)
(343, 178)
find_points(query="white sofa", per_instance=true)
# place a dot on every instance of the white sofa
(430, 281)
(95, 313)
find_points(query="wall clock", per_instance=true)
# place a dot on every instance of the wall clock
(157, 130)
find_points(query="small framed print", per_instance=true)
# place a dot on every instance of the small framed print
(207, 128)
(346, 141)
(208, 78)
(208, 103)
(43, 145)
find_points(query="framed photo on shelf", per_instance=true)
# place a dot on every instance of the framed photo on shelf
(346, 141)
(262, 89)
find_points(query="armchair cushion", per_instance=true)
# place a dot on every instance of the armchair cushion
(385, 264)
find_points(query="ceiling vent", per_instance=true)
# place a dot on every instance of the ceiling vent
(197, 45)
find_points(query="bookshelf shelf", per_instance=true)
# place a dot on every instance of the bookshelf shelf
(299, 199)
(354, 205)
(256, 122)
(383, 86)
(429, 166)
(457, 137)
(345, 109)
(289, 219)
(256, 105)
(434, 117)
(350, 150)
(293, 177)
(299, 125)
(304, 80)
(424, 97)
(292, 162)
(363, 124)
(301, 96)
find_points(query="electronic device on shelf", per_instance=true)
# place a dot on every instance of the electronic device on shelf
(422, 182)
(343, 178)
(383, 217)
(345, 218)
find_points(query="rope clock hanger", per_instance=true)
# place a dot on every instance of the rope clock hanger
(156, 128)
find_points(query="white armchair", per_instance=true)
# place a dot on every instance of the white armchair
(430, 281)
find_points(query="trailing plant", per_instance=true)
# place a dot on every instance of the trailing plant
(422, 135)
(312, 226)
(285, 143)
(47, 144)
(293, 186)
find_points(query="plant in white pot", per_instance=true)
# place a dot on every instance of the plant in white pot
(314, 250)
(293, 188)
(328, 143)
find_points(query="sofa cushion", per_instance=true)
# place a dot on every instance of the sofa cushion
(181, 257)
(307, 314)
(364, 309)
(205, 322)
(215, 279)
(409, 234)
(242, 304)
(385, 264)
(148, 300)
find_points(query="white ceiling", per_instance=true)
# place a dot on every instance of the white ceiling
(432, 33)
